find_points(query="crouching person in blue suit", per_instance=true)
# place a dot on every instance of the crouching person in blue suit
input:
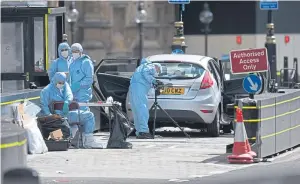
(59, 90)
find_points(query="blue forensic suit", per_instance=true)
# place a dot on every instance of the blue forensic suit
(140, 84)
(143, 61)
(61, 64)
(82, 72)
(81, 77)
(51, 93)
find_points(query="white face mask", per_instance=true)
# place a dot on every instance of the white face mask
(65, 54)
(59, 86)
(75, 55)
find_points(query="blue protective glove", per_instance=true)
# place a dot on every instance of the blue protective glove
(154, 82)
(66, 107)
(75, 86)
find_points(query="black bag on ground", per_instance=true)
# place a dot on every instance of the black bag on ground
(121, 128)
(49, 124)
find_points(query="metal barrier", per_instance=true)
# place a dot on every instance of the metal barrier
(289, 76)
(285, 71)
(9, 99)
(272, 122)
(13, 147)
(295, 64)
(32, 95)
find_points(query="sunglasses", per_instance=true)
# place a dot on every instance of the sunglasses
(64, 50)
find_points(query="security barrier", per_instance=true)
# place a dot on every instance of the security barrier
(32, 95)
(289, 75)
(13, 147)
(9, 99)
(272, 122)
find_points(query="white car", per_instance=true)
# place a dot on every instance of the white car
(194, 99)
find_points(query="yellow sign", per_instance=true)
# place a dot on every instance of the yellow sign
(173, 91)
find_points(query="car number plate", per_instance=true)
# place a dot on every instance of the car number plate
(173, 91)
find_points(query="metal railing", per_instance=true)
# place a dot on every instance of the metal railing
(289, 76)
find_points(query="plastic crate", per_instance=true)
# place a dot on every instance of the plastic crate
(62, 145)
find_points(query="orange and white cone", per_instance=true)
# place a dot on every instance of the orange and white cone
(241, 152)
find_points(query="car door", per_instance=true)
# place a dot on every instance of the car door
(231, 86)
(112, 78)
(215, 73)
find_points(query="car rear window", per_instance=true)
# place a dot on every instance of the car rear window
(179, 70)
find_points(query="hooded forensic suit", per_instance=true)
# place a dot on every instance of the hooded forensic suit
(62, 63)
(141, 82)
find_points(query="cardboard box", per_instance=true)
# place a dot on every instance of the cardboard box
(56, 135)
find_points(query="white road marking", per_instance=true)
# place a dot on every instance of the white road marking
(181, 181)
(150, 146)
(197, 176)
(174, 179)
(221, 165)
(217, 172)
(177, 180)
(172, 147)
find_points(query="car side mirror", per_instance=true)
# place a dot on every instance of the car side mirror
(21, 175)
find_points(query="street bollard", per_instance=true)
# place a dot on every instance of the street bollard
(13, 146)
(285, 71)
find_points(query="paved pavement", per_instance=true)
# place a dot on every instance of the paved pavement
(285, 169)
(166, 158)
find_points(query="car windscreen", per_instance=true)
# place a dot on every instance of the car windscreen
(179, 70)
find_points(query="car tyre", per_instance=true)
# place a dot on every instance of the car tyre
(228, 128)
(213, 129)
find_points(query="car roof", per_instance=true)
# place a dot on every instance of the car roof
(195, 59)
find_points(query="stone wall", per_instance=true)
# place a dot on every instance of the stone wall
(108, 28)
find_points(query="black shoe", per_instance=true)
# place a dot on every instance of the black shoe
(143, 135)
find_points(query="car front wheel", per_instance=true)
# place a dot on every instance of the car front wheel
(213, 129)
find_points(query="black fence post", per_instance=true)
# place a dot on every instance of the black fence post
(285, 71)
(296, 70)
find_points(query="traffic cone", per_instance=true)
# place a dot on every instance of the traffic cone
(252, 153)
(241, 152)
